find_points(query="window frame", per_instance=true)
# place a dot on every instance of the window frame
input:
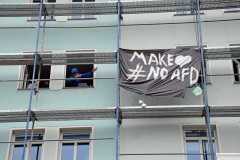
(82, 16)
(65, 68)
(199, 139)
(76, 142)
(22, 69)
(15, 132)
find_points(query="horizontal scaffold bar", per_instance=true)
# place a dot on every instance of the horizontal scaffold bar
(106, 8)
(125, 113)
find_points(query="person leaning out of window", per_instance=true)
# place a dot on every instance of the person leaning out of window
(76, 74)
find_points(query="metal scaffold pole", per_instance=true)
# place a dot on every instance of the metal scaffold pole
(33, 77)
(117, 82)
(207, 109)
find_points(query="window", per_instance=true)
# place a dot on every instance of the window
(76, 144)
(35, 18)
(82, 16)
(236, 69)
(35, 151)
(208, 72)
(27, 72)
(82, 69)
(196, 142)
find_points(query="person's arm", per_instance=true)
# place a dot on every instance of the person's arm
(70, 80)
(89, 74)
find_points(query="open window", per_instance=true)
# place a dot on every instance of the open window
(27, 73)
(82, 69)
(207, 72)
(236, 70)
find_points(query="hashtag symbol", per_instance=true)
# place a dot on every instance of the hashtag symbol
(135, 73)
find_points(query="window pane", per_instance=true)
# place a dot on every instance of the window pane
(67, 151)
(193, 147)
(83, 151)
(17, 152)
(206, 150)
(76, 136)
(36, 152)
(197, 133)
(35, 137)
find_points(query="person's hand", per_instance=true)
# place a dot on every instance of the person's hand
(77, 75)
(94, 69)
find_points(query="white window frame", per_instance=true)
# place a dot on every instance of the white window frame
(15, 132)
(42, 18)
(22, 70)
(65, 67)
(75, 130)
(199, 139)
(82, 17)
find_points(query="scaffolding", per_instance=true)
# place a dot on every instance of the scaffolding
(113, 8)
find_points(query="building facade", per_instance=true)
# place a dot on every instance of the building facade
(59, 140)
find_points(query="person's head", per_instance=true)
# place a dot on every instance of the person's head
(74, 71)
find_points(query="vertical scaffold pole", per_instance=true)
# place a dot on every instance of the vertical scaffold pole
(117, 82)
(32, 86)
(40, 65)
(207, 110)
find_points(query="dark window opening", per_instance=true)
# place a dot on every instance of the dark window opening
(45, 74)
(82, 69)
(236, 65)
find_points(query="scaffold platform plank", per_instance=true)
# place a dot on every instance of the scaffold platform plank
(66, 58)
(125, 113)
(73, 58)
(222, 53)
(105, 8)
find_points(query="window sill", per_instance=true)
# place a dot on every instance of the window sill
(186, 14)
(77, 87)
(232, 11)
(30, 89)
(76, 19)
(41, 20)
